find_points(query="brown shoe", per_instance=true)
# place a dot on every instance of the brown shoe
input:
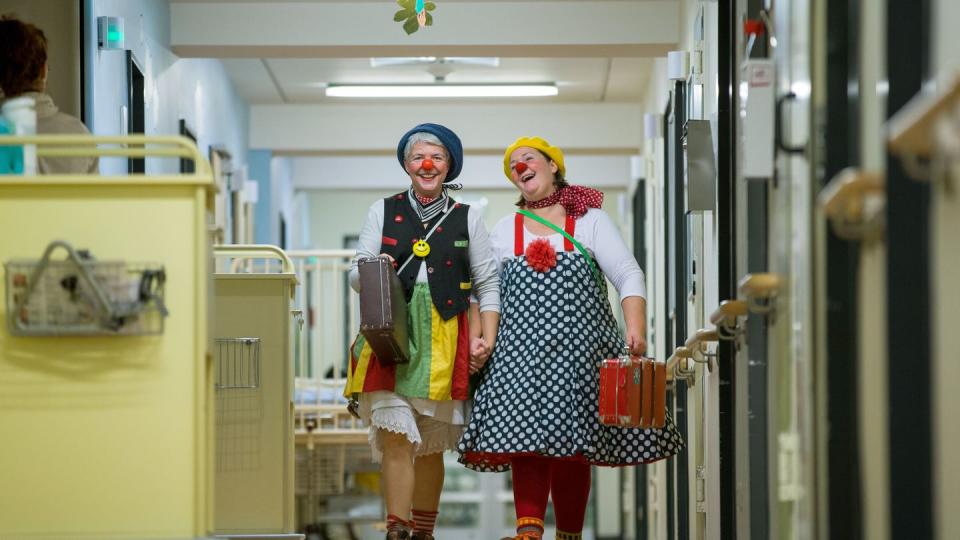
(398, 535)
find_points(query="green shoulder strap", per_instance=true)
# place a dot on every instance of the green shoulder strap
(596, 273)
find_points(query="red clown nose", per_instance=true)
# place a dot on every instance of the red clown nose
(520, 167)
(427, 164)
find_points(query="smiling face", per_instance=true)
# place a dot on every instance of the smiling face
(535, 175)
(427, 166)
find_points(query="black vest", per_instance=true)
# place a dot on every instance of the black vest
(448, 263)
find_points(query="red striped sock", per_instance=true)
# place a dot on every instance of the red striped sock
(424, 521)
(396, 523)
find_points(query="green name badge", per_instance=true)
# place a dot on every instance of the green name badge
(461, 243)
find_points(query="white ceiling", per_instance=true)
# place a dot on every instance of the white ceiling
(599, 52)
(302, 80)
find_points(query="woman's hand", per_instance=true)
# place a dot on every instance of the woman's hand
(637, 343)
(479, 354)
(635, 319)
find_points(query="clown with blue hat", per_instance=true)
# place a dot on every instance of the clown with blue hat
(441, 251)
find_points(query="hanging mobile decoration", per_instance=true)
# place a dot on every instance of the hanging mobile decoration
(415, 14)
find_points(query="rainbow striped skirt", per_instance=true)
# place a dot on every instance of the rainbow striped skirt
(439, 356)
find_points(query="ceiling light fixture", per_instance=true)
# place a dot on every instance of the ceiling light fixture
(441, 90)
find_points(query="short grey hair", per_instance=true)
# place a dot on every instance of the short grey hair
(422, 136)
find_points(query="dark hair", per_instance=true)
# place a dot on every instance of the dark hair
(559, 181)
(23, 53)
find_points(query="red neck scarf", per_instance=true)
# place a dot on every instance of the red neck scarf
(424, 200)
(574, 199)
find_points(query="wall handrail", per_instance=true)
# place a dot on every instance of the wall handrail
(759, 286)
(912, 131)
(697, 343)
(844, 201)
(677, 365)
(727, 315)
(701, 337)
(760, 290)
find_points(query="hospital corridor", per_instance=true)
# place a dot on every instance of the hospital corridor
(479, 270)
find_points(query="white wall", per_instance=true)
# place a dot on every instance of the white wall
(945, 223)
(196, 90)
(479, 172)
(946, 59)
(281, 200)
(353, 127)
(872, 287)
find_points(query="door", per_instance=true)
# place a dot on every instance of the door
(790, 348)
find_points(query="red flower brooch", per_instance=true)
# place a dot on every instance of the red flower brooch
(541, 256)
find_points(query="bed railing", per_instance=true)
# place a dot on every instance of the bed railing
(331, 318)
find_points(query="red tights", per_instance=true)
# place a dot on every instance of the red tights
(566, 481)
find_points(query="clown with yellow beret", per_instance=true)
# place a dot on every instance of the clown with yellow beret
(536, 408)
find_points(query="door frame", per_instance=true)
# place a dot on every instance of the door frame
(841, 149)
(909, 358)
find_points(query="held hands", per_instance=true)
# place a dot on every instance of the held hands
(637, 343)
(479, 353)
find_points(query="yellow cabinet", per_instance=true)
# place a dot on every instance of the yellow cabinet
(107, 436)
(253, 359)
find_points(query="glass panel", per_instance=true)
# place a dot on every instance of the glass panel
(465, 515)
(461, 480)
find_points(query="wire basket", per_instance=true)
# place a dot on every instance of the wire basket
(238, 363)
(332, 469)
(80, 295)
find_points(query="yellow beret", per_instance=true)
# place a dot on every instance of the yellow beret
(537, 143)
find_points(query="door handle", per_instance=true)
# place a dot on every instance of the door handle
(778, 131)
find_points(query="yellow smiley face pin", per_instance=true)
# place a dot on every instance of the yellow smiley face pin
(421, 248)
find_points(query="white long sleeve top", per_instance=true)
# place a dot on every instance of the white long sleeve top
(483, 265)
(598, 235)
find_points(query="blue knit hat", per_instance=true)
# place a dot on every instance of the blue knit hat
(450, 141)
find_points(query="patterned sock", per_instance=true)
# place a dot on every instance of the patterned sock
(530, 527)
(424, 521)
(569, 536)
(396, 523)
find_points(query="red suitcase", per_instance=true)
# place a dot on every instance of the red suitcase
(646, 394)
(621, 387)
(659, 394)
(383, 310)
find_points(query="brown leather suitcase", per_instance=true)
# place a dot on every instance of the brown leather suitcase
(383, 310)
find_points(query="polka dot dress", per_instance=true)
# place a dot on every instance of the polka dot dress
(538, 393)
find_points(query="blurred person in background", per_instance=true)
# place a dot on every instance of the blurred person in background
(23, 73)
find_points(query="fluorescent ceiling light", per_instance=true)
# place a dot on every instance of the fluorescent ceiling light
(486, 61)
(441, 90)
